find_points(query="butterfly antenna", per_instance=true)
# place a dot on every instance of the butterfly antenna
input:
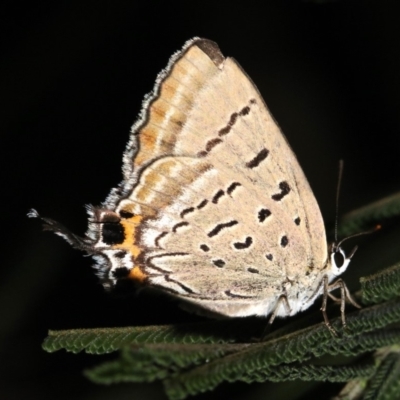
(339, 184)
(368, 232)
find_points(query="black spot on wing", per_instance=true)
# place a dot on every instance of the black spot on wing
(217, 196)
(258, 159)
(159, 237)
(244, 245)
(269, 257)
(204, 247)
(219, 263)
(297, 221)
(209, 146)
(253, 270)
(285, 189)
(284, 241)
(263, 214)
(224, 131)
(179, 225)
(232, 187)
(218, 228)
(202, 204)
(186, 211)
(233, 119)
(244, 111)
(112, 233)
(212, 143)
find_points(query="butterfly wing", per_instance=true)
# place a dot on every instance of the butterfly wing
(227, 215)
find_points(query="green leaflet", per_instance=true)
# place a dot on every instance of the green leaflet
(106, 340)
(385, 383)
(381, 286)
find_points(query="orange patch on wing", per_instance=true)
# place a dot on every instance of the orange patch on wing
(136, 274)
(148, 137)
(129, 243)
(147, 140)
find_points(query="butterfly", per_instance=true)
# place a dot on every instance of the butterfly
(213, 208)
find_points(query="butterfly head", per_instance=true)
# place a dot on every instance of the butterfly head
(339, 261)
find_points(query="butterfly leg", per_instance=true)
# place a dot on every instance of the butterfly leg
(344, 296)
(282, 300)
(348, 297)
(325, 283)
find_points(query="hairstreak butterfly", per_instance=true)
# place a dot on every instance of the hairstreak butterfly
(213, 207)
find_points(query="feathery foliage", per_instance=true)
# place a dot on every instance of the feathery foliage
(197, 357)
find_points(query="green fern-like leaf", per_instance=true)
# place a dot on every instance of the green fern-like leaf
(106, 340)
(385, 383)
(298, 347)
(158, 361)
(384, 285)
(194, 358)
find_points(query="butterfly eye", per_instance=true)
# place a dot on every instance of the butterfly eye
(339, 258)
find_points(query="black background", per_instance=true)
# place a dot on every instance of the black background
(72, 78)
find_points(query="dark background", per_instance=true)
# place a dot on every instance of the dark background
(72, 78)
